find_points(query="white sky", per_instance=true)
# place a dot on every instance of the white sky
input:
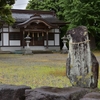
(20, 4)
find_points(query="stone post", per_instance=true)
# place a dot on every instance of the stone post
(82, 65)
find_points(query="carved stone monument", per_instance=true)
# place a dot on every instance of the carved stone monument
(82, 65)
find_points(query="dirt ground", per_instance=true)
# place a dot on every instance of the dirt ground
(55, 59)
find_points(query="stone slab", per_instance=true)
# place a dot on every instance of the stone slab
(54, 93)
(92, 96)
(12, 92)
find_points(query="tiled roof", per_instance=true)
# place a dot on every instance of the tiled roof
(24, 15)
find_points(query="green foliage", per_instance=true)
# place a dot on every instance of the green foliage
(84, 12)
(53, 5)
(5, 13)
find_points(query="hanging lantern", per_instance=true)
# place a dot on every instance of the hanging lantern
(33, 35)
(42, 34)
(23, 32)
(33, 42)
(28, 34)
(38, 35)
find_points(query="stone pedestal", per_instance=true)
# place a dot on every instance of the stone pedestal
(54, 93)
(27, 51)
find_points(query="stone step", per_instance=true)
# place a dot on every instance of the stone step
(41, 52)
(5, 52)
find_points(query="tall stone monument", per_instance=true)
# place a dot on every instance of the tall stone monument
(81, 66)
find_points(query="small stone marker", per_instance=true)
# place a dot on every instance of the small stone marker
(82, 66)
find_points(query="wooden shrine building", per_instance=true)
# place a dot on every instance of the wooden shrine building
(42, 26)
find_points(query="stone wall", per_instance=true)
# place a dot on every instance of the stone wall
(13, 92)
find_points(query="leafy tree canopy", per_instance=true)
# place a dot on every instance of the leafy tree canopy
(53, 5)
(83, 12)
(5, 13)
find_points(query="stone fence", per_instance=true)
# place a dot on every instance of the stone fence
(12, 92)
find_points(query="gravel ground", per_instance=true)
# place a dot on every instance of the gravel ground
(19, 69)
(56, 59)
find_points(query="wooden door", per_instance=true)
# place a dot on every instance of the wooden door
(38, 39)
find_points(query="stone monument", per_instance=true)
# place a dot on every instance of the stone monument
(82, 66)
(64, 48)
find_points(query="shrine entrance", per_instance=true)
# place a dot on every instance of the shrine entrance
(37, 29)
(37, 38)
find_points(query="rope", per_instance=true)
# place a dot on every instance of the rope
(80, 42)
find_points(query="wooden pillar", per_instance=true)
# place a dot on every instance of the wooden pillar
(47, 40)
(33, 37)
(23, 39)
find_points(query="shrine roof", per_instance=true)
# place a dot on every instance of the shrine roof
(21, 16)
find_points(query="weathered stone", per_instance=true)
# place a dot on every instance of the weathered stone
(82, 66)
(53, 93)
(12, 92)
(92, 96)
(64, 48)
(27, 51)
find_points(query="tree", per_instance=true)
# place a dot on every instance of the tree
(53, 5)
(84, 12)
(5, 12)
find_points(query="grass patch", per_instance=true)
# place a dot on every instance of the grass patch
(58, 72)
(30, 71)
(35, 70)
(35, 76)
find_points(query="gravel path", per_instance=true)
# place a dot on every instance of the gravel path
(35, 59)
(55, 59)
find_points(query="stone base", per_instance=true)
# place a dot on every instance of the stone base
(12, 92)
(92, 96)
(27, 51)
(54, 93)
(64, 51)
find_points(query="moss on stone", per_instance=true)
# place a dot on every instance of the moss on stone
(74, 83)
(79, 77)
(89, 75)
(71, 66)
